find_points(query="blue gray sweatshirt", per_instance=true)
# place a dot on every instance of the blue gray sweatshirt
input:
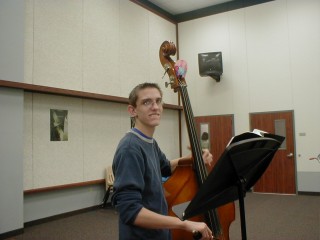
(139, 166)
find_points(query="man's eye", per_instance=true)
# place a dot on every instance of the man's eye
(147, 102)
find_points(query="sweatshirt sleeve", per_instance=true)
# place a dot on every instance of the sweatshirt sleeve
(128, 184)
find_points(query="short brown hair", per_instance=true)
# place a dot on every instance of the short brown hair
(133, 96)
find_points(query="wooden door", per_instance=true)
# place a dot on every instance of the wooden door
(220, 130)
(280, 176)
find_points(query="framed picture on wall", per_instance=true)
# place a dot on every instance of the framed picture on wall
(58, 125)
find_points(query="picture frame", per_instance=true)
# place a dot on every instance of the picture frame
(58, 125)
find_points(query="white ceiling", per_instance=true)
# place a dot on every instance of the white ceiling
(182, 6)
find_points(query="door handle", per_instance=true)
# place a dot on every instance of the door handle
(290, 155)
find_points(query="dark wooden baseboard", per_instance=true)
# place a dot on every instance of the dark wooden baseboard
(309, 193)
(10, 234)
(65, 186)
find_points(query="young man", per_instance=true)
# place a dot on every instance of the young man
(139, 166)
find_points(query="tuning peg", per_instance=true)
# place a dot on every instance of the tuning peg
(167, 84)
(166, 70)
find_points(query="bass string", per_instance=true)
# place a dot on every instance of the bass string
(212, 215)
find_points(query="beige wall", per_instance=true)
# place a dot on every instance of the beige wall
(97, 46)
(271, 59)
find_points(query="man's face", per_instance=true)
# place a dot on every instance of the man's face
(149, 108)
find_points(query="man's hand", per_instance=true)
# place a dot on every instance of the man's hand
(207, 157)
(200, 230)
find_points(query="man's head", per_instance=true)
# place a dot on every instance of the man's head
(133, 96)
(145, 106)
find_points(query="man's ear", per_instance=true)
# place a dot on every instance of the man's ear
(132, 111)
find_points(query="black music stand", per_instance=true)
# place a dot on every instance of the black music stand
(240, 166)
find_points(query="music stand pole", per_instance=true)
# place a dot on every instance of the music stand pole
(242, 210)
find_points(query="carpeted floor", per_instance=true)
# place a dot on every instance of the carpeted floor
(276, 217)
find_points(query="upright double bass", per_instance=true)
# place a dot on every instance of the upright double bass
(189, 175)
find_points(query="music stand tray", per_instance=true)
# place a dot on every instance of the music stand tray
(243, 162)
